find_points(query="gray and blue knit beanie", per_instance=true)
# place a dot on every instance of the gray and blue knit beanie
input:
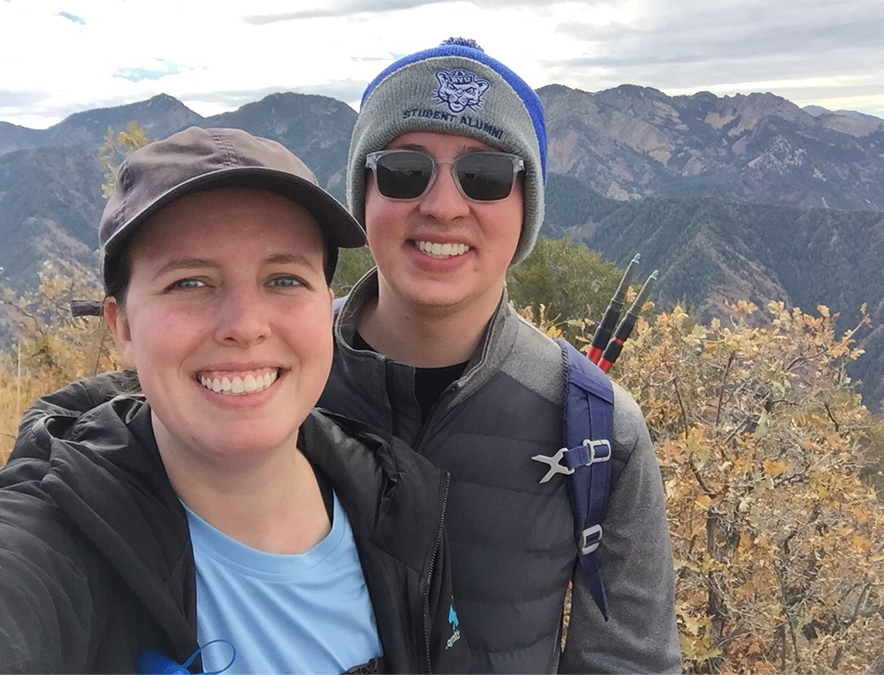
(455, 88)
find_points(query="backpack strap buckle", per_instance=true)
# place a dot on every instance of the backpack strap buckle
(555, 464)
(586, 454)
(590, 539)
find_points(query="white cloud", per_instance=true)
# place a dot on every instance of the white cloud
(212, 58)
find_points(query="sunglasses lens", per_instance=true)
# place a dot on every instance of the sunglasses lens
(485, 176)
(403, 175)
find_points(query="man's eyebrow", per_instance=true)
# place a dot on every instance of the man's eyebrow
(466, 149)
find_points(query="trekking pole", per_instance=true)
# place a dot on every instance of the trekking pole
(612, 350)
(612, 313)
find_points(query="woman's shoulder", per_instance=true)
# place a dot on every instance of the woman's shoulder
(80, 417)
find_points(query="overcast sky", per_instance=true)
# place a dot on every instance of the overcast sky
(61, 57)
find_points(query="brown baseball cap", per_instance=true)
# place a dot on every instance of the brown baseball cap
(201, 159)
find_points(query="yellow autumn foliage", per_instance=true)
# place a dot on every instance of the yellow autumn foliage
(52, 347)
(762, 440)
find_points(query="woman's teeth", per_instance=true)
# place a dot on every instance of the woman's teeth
(438, 250)
(241, 383)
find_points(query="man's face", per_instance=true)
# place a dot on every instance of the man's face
(442, 250)
(228, 322)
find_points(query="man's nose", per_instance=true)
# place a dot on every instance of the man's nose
(443, 200)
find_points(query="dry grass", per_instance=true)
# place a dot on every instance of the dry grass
(11, 409)
(52, 348)
(21, 384)
(16, 395)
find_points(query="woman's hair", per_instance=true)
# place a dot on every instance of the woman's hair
(118, 286)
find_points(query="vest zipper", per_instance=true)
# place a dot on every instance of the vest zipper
(425, 427)
(388, 383)
(430, 574)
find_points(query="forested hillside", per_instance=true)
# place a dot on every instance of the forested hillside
(710, 251)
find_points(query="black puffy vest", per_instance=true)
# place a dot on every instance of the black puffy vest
(511, 538)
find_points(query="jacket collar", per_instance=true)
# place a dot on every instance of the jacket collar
(496, 345)
(393, 497)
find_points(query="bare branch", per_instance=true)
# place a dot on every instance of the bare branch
(684, 415)
(832, 416)
(727, 371)
(25, 314)
(739, 631)
(100, 351)
(740, 427)
(708, 492)
(804, 359)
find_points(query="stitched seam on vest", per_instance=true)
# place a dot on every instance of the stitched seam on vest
(480, 543)
(544, 637)
(463, 481)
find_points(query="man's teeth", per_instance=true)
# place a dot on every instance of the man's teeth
(241, 383)
(438, 250)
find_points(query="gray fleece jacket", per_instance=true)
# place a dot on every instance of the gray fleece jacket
(512, 538)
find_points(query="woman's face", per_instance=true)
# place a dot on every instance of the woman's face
(228, 322)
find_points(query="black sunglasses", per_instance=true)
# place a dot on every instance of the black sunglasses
(480, 176)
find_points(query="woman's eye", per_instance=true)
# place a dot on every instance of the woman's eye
(186, 283)
(286, 282)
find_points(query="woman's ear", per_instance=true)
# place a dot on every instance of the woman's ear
(115, 316)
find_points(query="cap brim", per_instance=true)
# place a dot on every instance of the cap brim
(338, 227)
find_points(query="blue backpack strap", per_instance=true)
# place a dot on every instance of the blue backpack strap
(588, 408)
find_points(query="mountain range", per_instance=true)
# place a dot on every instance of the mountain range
(745, 196)
(634, 142)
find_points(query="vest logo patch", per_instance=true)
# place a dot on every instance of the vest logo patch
(460, 89)
(453, 620)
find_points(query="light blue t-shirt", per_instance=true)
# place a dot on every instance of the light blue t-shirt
(305, 613)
